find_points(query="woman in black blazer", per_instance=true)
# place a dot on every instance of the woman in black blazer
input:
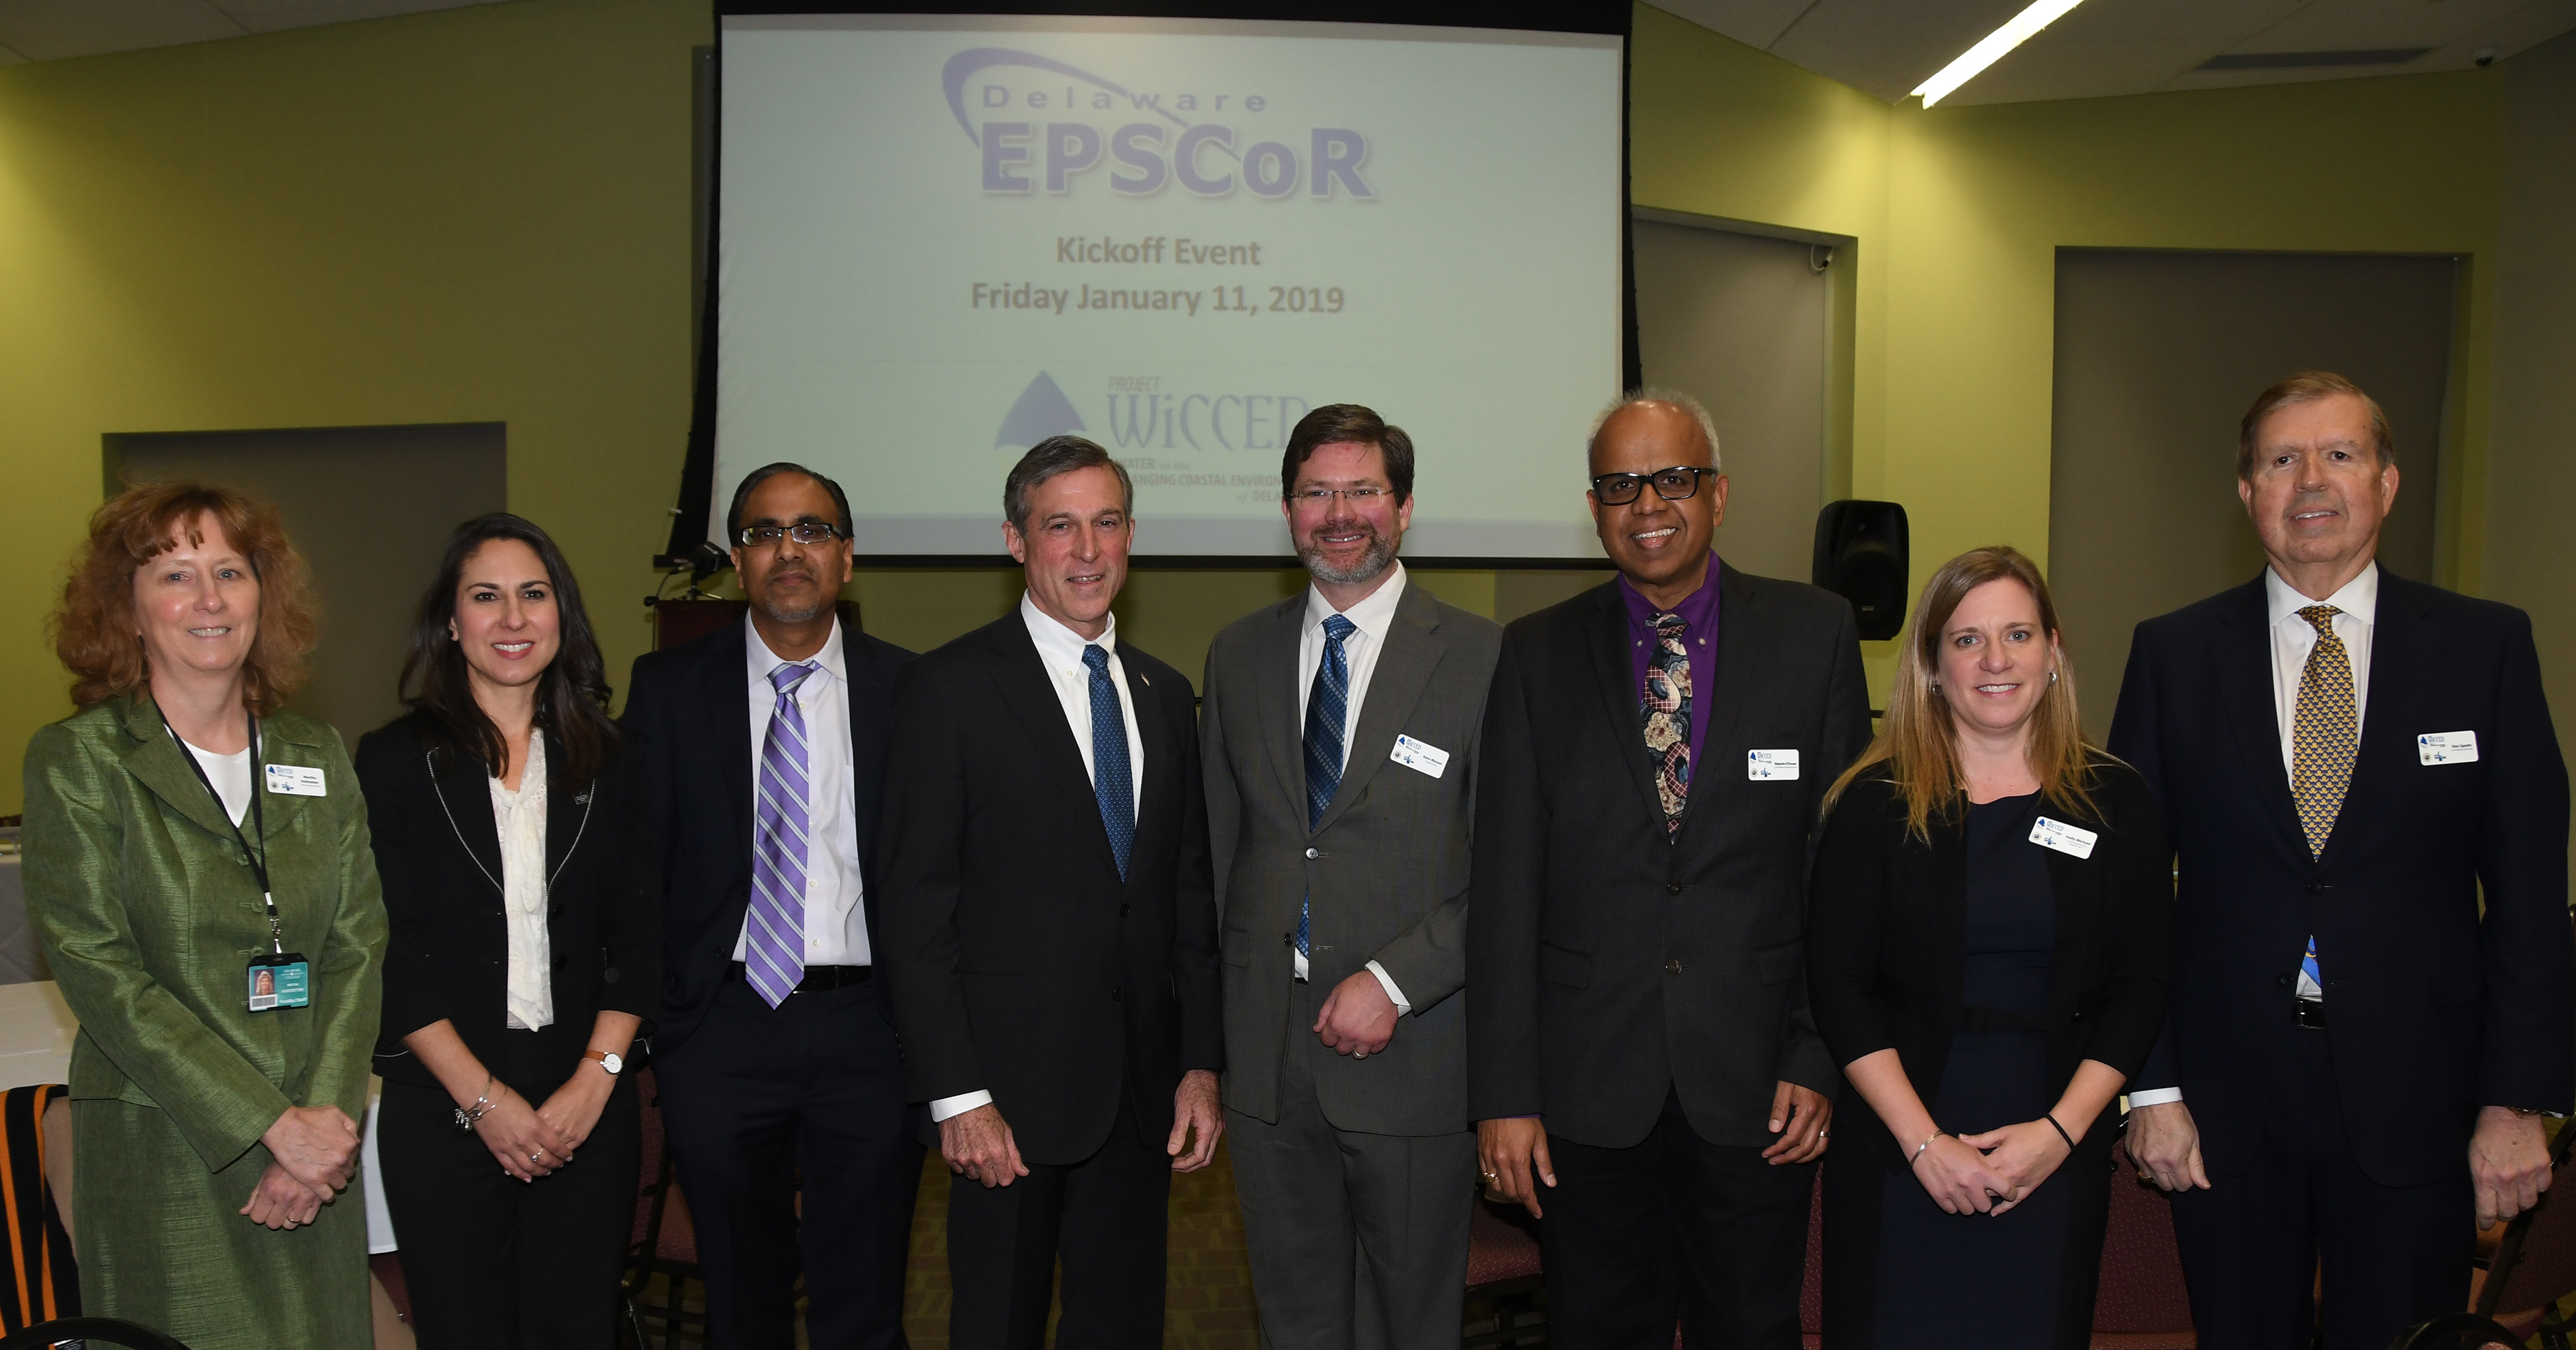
(510, 828)
(1989, 931)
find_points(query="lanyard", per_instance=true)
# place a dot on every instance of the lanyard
(258, 858)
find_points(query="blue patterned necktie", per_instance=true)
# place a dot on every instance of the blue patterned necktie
(1326, 705)
(1110, 780)
(2325, 738)
(783, 814)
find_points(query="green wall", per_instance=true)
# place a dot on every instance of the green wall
(482, 214)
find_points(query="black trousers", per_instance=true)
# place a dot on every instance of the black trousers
(1105, 1218)
(1673, 1228)
(495, 1262)
(758, 1098)
(2254, 1246)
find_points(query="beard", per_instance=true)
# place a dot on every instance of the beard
(783, 610)
(1376, 558)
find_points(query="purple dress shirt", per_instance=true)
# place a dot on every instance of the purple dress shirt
(1699, 637)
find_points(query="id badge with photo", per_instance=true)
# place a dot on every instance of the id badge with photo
(283, 980)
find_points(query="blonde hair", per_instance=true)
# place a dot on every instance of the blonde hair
(1917, 742)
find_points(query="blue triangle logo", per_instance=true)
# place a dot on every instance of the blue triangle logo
(1042, 411)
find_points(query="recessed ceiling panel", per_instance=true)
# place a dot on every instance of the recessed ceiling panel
(1886, 47)
(48, 30)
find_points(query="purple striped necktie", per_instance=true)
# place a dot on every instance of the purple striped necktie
(775, 945)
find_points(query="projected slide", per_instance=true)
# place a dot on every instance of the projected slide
(945, 239)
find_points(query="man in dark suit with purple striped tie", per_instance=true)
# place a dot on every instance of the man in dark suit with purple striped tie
(1050, 929)
(780, 1077)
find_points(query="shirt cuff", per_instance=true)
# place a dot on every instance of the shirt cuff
(2154, 1097)
(948, 1108)
(1387, 982)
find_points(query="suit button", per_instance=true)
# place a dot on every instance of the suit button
(1672, 967)
(2319, 887)
(1122, 911)
(1314, 853)
(1672, 888)
(2282, 980)
(1287, 939)
(559, 961)
(1117, 995)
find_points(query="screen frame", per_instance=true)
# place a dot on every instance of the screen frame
(693, 518)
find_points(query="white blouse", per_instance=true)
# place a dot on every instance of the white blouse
(520, 819)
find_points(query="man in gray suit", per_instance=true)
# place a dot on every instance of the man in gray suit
(1339, 729)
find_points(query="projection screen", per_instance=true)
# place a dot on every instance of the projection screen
(944, 239)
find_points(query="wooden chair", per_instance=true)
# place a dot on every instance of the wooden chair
(2139, 1302)
(663, 1242)
(2535, 1265)
(1502, 1279)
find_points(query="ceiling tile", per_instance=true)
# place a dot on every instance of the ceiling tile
(2109, 47)
(2364, 25)
(1755, 23)
(269, 16)
(10, 58)
(47, 30)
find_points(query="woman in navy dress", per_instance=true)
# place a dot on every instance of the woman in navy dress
(1989, 936)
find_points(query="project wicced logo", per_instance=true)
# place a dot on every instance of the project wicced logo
(1034, 132)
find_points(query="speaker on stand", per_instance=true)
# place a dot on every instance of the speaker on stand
(1861, 556)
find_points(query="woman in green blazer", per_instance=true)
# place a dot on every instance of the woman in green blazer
(212, 1116)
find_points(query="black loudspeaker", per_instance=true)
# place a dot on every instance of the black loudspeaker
(1860, 556)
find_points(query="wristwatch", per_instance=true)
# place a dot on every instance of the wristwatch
(610, 1060)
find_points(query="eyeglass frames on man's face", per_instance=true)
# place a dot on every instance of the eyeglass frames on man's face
(803, 532)
(1358, 496)
(1678, 483)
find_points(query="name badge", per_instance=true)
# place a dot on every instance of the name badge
(295, 780)
(2065, 838)
(1420, 757)
(2447, 747)
(282, 980)
(1766, 765)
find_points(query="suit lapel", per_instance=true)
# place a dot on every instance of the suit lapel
(724, 692)
(464, 792)
(1023, 685)
(1613, 670)
(1403, 671)
(1275, 664)
(2397, 678)
(1157, 759)
(1718, 698)
(156, 759)
(2244, 661)
(568, 808)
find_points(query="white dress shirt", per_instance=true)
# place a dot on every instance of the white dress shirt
(836, 923)
(1369, 621)
(1060, 653)
(2293, 638)
(519, 819)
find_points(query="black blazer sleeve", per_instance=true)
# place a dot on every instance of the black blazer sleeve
(1846, 920)
(2139, 925)
(1194, 943)
(391, 776)
(632, 922)
(2134, 741)
(2528, 1054)
(1507, 880)
(921, 839)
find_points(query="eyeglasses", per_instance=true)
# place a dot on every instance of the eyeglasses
(803, 532)
(1358, 496)
(1678, 483)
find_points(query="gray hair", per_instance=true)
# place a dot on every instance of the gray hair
(1059, 455)
(1651, 394)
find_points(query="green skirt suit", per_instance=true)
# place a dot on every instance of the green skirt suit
(149, 914)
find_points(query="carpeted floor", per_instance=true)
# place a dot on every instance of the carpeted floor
(1208, 1301)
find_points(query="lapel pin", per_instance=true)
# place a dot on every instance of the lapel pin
(1148, 679)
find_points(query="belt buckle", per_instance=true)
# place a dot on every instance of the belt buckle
(2308, 1014)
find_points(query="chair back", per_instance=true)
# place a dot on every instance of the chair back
(652, 1178)
(94, 1330)
(41, 1283)
(2535, 1264)
(2140, 1290)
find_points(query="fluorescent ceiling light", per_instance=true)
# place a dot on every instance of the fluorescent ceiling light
(2019, 29)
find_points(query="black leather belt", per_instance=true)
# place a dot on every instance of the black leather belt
(817, 978)
(2003, 1019)
(2309, 1013)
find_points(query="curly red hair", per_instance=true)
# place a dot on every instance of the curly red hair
(94, 630)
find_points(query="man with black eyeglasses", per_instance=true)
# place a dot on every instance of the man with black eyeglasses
(780, 1078)
(1643, 1069)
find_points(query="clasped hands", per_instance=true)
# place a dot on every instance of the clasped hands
(314, 1152)
(536, 1141)
(978, 1144)
(1990, 1173)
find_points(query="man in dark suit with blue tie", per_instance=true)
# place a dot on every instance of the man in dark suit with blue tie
(1050, 929)
(779, 1074)
(2374, 984)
